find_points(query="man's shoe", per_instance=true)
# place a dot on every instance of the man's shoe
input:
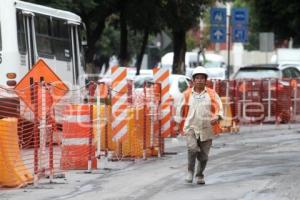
(189, 177)
(200, 181)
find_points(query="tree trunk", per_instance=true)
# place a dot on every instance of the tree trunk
(142, 51)
(179, 52)
(93, 35)
(123, 58)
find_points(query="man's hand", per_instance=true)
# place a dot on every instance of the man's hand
(214, 120)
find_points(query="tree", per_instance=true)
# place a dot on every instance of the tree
(181, 16)
(133, 22)
(280, 17)
(95, 14)
(146, 19)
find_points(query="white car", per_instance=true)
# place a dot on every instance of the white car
(178, 84)
(190, 60)
(215, 65)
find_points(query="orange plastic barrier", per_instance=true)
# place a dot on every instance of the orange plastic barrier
(13, 172)
(76, 146)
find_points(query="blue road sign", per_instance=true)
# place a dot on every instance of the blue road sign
(240, 34)
(239, 16)
(218, 16)
(218, 34)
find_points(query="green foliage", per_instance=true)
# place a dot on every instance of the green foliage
(183, 14)
(280, 17)
(190, 43)
(144, 19)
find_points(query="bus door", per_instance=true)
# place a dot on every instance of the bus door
(75, 52)
(30, 41)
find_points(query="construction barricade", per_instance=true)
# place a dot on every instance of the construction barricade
(116, 121)
(136, 132)
(13, 171)
(295, 100)
(226, 91)
(78, 148)
(161, 76)
(261, 101)
(26, 142)
(249, 99)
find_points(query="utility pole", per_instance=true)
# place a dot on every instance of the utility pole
(228, 7)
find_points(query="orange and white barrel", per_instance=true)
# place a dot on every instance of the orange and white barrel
(119, 102)
(162, 76)
(77, 149)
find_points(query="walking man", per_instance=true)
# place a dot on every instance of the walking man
(202, 111)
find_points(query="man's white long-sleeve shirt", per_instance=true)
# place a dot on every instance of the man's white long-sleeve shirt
(200, 114)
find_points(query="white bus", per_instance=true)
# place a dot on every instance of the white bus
(29, 32)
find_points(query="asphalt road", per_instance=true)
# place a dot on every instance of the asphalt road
(260, 162)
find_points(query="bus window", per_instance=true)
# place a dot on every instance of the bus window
(21, 33)
(61, 40)
(43, 36)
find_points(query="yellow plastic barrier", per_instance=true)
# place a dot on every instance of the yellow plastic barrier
(132, 143)
(136, 148)
(138, 133)
(227, 121)
(12, 169)
(227, 124)
(105, 122)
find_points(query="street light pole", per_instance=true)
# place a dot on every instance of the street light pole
(228, 7)
(228, 48)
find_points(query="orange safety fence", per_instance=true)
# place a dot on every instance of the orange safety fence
(295, 100)
(142, 138)
(49, 137)
(244, 102)
(261, 101)
(29, 143)
(78, 150)
(226, 91)
(31, 137)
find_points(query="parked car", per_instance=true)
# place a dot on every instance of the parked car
(190, 60)
(178, 84)
(215, 65)
(267, 71)
(139, 80)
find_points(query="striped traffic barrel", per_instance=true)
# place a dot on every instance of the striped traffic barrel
(77, 138)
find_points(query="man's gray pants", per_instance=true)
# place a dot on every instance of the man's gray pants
(197, 150)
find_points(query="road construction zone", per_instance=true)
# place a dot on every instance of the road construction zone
(48, 128)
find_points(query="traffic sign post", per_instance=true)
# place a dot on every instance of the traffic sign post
(218, 34)
(240, 16)
(218, 16)
(237, 28)
(218, 25)
(240, 34)
(239, 21)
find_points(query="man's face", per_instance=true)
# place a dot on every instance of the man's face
(199, 80)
